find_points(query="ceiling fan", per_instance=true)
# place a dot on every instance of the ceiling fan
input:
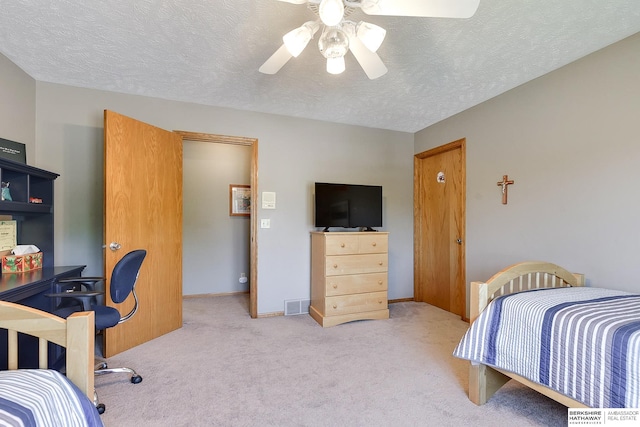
(340, 35)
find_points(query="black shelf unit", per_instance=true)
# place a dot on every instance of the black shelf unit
(34, 226)
(34, 221)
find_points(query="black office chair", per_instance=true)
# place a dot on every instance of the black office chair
(123, 281)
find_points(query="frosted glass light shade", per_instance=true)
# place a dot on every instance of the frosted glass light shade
(335, 65)
(370, 35)
(296, 40)
(333, 43)
(331, 12)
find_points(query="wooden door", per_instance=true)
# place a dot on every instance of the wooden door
(143, 210)
(439, 219)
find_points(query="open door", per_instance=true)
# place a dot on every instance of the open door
(143, 210)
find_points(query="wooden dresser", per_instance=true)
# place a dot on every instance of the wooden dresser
(349, 276)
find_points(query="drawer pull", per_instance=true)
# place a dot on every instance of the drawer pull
(342, 245)
(335, 286)
(335, 265)
(380, 302)
(380, 263)
(335, 305)
(374, 243)
(379, 282)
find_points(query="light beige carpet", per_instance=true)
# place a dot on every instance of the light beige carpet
(225, 369)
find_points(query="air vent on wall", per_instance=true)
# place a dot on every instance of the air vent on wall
(297, 306)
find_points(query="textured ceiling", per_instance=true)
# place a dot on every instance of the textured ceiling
(209, 51)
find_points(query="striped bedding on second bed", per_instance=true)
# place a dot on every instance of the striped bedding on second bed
(582, 342)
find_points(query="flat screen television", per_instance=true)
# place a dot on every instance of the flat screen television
(348, 205)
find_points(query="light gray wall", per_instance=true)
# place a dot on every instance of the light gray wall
(215, 244)
(301, 152)
(17, 106)
(571, 142)
(293, 154)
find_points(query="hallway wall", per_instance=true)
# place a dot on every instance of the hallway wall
(215, 244)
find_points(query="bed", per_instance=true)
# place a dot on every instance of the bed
(535, 322)
(44, 397)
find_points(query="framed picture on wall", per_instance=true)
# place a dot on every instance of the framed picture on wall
(13, 151)
(239, 200)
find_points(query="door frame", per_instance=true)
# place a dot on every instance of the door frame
(459, 144)
(253, 247)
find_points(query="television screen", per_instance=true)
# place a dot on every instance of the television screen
(348, 205)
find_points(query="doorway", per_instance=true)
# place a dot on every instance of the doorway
(253, 143)
(439, 227)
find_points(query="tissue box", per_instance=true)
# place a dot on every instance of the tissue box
(21, 263)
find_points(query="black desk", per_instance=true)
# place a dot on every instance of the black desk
(17, 287)
(29, 289)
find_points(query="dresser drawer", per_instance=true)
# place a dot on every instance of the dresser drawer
(355, 264)
(356, 303)
(373, 243)
(360, 243)
(341, 244)
(356, 284)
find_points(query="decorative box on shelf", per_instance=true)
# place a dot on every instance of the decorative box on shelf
(21, 263)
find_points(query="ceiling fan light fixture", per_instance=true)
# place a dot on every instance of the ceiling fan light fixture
(341, 35)
(370, 35)
(331, 12)
(335, 65)
(296, 40)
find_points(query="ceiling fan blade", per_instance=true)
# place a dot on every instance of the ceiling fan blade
(424, 8)
(369, 61)
(276, 61)
(294, 1)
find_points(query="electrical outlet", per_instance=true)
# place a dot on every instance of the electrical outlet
(265, 223)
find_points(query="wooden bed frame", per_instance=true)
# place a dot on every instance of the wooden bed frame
(76, 333)
(484, 381)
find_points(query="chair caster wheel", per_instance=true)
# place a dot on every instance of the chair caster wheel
(136, 379)
(100, 407)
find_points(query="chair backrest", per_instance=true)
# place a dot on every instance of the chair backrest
(125, 274)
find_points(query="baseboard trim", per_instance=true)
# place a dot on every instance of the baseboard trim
(224, 294)
(393, 301)
(274, 314)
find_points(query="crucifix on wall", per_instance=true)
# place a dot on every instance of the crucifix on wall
(505, 181)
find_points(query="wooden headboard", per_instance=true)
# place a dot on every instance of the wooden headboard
(517, 278)
(76, 334)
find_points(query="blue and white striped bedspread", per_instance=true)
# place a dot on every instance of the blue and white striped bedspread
(40, 398)
(581, 342)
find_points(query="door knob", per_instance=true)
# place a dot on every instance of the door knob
(459, 241)
(114, 246)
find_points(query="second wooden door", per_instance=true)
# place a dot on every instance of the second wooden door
(439, 200)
